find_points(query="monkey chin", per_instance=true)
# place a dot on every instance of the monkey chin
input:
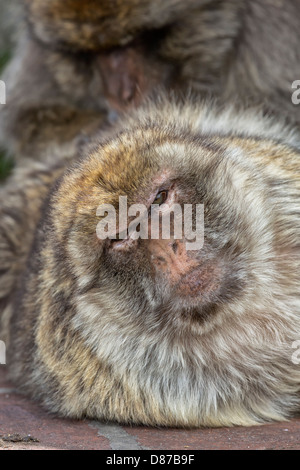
(199, 294)
(202, 282)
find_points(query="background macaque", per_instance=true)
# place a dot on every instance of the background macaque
(145, 331)
(83, 60)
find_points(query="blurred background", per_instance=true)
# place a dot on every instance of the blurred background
(10, 26)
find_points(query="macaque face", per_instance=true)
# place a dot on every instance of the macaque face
(122, 44)
(156, 249)
(157, 274)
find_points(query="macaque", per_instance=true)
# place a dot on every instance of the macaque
(82, 63)
(144, 330)
(197, 337)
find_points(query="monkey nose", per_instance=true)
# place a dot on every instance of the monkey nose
(189, 274)
(171, 256)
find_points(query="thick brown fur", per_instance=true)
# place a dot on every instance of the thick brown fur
(100, 330)
(22, 198)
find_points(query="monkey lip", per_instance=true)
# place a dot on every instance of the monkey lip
(205, 279)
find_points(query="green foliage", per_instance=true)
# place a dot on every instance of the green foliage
(4, 59)
(6, 165)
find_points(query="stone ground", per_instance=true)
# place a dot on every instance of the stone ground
(26, 426)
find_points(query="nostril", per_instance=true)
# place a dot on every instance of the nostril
(174, 247)
(159, 261)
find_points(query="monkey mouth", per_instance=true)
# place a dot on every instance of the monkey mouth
(204, 282)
